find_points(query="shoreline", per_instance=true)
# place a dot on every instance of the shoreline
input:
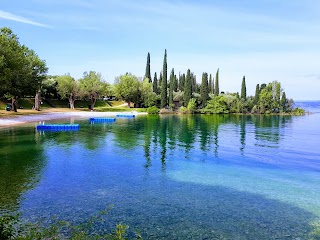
(23, 119)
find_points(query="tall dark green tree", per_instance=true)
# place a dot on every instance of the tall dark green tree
(160, 83)
(175, 85)
(216, 85)
(243, 89)
(262, 86)
(155, 83)
(182, 79)
(171, 87)
(148, 73)
(283, 102)
(164, 83)
(194, 82)
(187, 89)
(256, 95)
(204, 89)
(210, 84)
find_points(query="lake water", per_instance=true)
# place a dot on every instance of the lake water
(171, 177)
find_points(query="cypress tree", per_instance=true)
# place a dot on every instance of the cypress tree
(160, 83)
(164, 83)
(263, 85)
(243, 89)
(216, 85)
(277, 94)
(204, 89)
(198, 88)
(182, 82)
(256, 95)
(155, 84)
(171, 87)
(210, 84)
(193, 82)
(283, 102)
(175, 85)
(148, 73)
(187, 89)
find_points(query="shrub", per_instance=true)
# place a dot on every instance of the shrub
(153, 110)
(192, 105)
(183, 110)
(298, 111)
(217, 105)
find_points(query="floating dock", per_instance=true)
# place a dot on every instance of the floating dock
(59, 127)
(102, 119)
(126, 115)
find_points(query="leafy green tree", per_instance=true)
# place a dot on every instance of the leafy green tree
(204, 89)
(216, 85)
(48, 88)
(218, 105)
(12, 66)
(276, 88)
(243, 89)
(68, 88)
(187, 89)
(164, 97)
(266, 99)
(92, 86)
(148, 73)
(192, 105)
(155, 84)
(38, 75)
(148, 97)
(126, 87)
(21, 70)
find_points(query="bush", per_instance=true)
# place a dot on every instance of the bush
(183, 110)
(153, 110)
(298, 111)
(217, 105)
(192, 105)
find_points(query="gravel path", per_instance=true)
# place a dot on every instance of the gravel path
(4, 122)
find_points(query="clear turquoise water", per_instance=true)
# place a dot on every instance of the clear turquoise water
(171, 177)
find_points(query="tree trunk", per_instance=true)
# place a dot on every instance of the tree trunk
(93, 101)
(71, 102)
(37, 101)
(14, 103)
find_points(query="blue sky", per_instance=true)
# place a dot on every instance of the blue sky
(264, 40)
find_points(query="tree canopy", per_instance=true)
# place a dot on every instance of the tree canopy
(126, 87)
(21, 70)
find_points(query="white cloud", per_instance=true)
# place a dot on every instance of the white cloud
(16, 18)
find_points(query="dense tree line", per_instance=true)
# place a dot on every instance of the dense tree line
(207, 97)
(23, 73)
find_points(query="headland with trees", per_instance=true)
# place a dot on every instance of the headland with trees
(24, 74)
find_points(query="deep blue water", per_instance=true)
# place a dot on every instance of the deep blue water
(171, 177)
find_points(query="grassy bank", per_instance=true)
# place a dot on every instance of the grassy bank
(26, 104)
